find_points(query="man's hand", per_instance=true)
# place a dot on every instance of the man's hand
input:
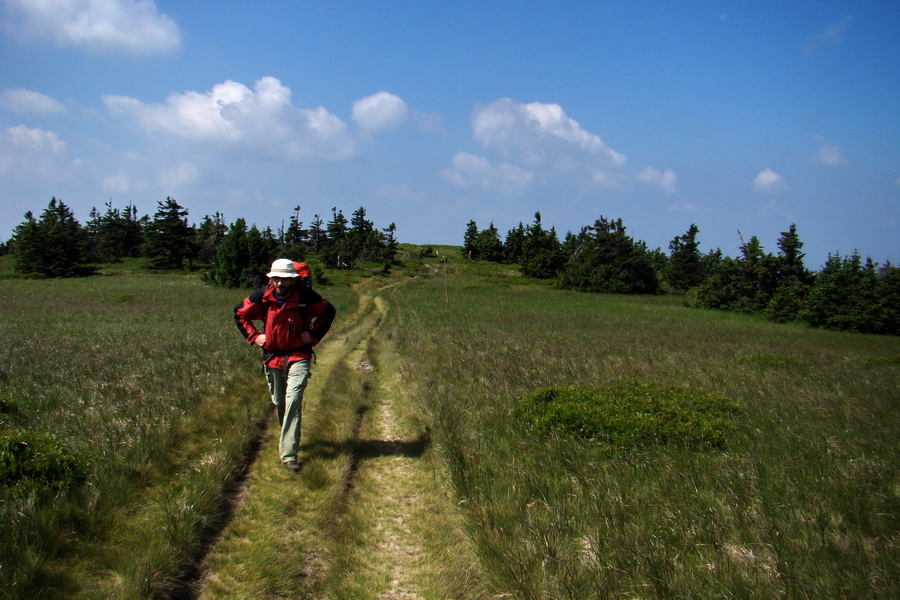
(306, 338)
(260, 340)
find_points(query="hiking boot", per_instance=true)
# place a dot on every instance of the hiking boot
(291, 465)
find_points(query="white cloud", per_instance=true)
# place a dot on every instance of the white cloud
(768, 180)
(29, 155)
(379, 112)
(20, 100)
(537, 133)
(23, 138)
(830, 154)
(103, 26)
(262, 121)
(471, 170)
(832, 35)
(664, 180)
(539, 142)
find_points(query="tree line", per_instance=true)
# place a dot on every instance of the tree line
(55, 244)
(849, 293)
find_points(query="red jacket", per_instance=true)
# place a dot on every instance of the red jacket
(284, 322)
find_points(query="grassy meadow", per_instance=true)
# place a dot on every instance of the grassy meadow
(802, 500)
(143, 385)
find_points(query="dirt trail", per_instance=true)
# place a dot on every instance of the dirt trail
(382, 498)
(391, 452)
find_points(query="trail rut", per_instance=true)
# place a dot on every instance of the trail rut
(356, 521)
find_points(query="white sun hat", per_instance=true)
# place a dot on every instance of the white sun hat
(282, 268)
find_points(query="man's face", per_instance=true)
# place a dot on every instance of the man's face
(283, 285)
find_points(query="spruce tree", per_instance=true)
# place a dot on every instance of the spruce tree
(470, 241)
(845, 296)
(244, 256)
(607, 260)
(489, 245)
(391, 244)
(541, 251)
(512, 247)
(115, 234)
(318, 237)
(169, 237)
(335, 252)
(208, 236)
(232, 257)
(294, 243)
(684, 267)
(56, 245)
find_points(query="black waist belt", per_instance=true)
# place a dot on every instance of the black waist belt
(287, 364)
(287, 352)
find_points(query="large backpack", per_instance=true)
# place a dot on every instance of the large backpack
(304, 272)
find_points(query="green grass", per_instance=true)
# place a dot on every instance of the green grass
(141, 383)
(146, 386)
(802, 500)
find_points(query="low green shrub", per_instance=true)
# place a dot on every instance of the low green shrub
(37, 462)
(770, 360)
(10, 411)
(632, 413)
(120, 298)
(883, 360)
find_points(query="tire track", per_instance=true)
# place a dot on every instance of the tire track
(376, 498)
(386, 455)
(266, 482)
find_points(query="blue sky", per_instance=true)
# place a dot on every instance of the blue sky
(736, 116)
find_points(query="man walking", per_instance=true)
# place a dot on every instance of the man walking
(295, 318)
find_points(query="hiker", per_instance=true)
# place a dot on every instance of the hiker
(295, 318)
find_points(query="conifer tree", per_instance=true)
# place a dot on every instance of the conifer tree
(512, 247)
(391, 244)
(684, 267)
(295, 238)
(541, 251)
(335, 251)
(318, 237)
(244, 256)
(54, 246)
(489, 247)
(363, 240)
(208, 236)
(607, 260)
(470, 241)
(169, 238)
(846, 296)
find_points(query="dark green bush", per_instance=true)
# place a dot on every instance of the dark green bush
(632, 414)
(36, 462)
(770, 360)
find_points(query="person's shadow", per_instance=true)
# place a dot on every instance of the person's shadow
(359, 450)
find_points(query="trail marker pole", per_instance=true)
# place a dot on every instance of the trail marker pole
(446, 285)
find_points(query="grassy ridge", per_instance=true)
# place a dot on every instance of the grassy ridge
(801, 502)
